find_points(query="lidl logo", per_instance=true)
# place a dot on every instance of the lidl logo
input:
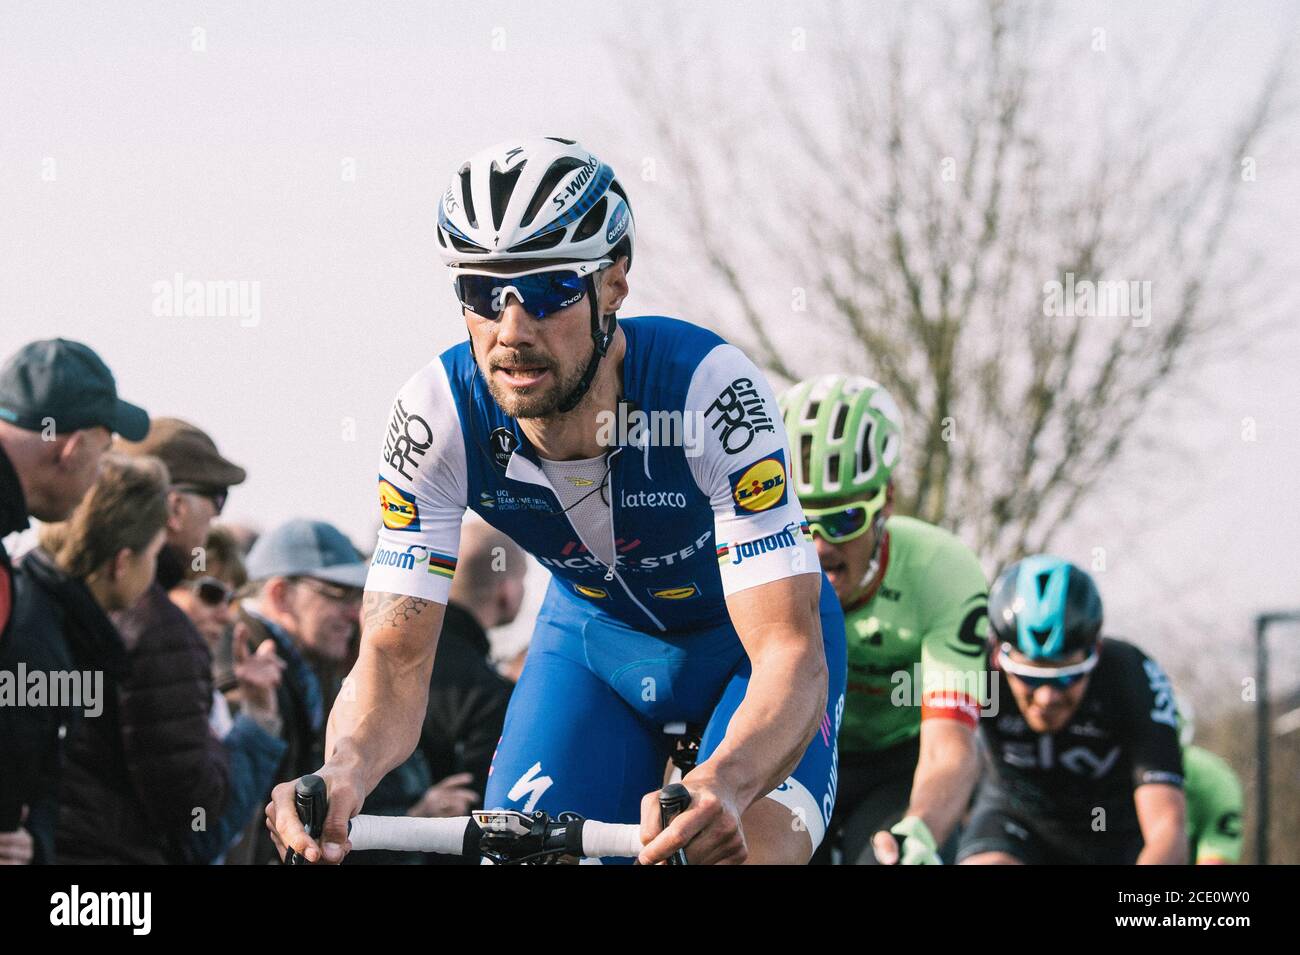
(397, 508)
(673, 593)
(595, 593)
(761, 486)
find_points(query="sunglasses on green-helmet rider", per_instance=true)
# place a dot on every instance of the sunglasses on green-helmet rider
(542, 291)
(839, 525)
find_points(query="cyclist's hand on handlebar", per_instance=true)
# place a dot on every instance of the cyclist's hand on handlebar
(345, 797)
(709, 829)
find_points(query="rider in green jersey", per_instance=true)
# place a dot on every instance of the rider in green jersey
(1214, 800)
(914, 600)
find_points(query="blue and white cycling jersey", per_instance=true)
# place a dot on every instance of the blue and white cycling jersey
(701, 508)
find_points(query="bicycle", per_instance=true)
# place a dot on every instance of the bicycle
(504, 836)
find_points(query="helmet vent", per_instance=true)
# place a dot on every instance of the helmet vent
(592, 221)
(467, 198)
(832, 470)
(460, 245)
(501, 185)
(810, 415)
(559, 169)
(866, 463)
(841, 419)
(805, 457)
(542, 242)
(1043, 580)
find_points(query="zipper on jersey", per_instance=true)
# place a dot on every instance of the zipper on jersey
(612, 572)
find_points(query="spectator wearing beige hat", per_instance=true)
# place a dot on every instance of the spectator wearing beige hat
(177, 772)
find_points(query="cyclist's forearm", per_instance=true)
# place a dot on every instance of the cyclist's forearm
(945, 776)
(1165, 845)
(772, 726)
(376, 720)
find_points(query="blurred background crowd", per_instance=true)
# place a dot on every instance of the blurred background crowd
(220, 649)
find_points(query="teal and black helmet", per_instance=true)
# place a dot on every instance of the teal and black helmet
(1045, 607)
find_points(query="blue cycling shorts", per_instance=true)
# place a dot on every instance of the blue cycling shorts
(585, 728)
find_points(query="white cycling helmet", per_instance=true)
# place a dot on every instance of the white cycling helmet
(546, 198)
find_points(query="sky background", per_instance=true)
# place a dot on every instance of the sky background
(128, 155)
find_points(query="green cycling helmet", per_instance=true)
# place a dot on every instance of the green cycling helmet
(846, 435)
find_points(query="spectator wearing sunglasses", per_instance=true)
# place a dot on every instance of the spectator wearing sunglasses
(99, 561)
(178, 771)
(58, 411)
(252, 737)
(303, 599)
(1083, 759)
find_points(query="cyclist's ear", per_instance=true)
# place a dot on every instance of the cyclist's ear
(612, 287)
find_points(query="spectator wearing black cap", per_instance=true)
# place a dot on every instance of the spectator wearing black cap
(177, 770)
(305, 598)
(58, 411)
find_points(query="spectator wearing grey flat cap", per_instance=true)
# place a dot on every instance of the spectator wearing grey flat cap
(304, 595)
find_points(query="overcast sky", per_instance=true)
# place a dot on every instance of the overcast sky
(303, 146)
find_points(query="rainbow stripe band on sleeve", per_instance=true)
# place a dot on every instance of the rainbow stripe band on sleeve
(723, 551)
(444, 565)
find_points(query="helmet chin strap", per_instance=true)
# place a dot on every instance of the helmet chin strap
(873, 565)
(602, 341)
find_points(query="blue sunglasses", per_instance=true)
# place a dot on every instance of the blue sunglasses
(542, 292)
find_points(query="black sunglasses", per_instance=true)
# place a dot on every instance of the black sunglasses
(211, 591)
(217, 495)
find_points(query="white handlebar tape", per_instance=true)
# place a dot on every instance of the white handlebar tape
(622, 840)
(410, 834)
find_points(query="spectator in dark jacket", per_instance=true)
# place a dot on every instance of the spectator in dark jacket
(58, 411)
(252, 736)
(467, 697)
(98, 561)
(304, 598)
(176, 776)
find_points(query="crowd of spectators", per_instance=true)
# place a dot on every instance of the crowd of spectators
(160, 671)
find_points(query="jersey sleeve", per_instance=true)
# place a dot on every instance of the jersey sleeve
(421, 491)
(741, 461)
(954, 648)
(1151, 715)
(1218, 790)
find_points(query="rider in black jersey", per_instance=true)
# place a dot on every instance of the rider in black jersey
(1082, 760)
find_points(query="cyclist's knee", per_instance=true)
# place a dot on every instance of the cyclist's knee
(775, 835)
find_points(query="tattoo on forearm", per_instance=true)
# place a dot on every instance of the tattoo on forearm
(390, 610)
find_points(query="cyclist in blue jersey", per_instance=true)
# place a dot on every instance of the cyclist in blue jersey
(644, 463)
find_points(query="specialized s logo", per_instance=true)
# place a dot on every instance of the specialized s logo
(409, 437)
(761, 486)
(737, 414)
(398, 508)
